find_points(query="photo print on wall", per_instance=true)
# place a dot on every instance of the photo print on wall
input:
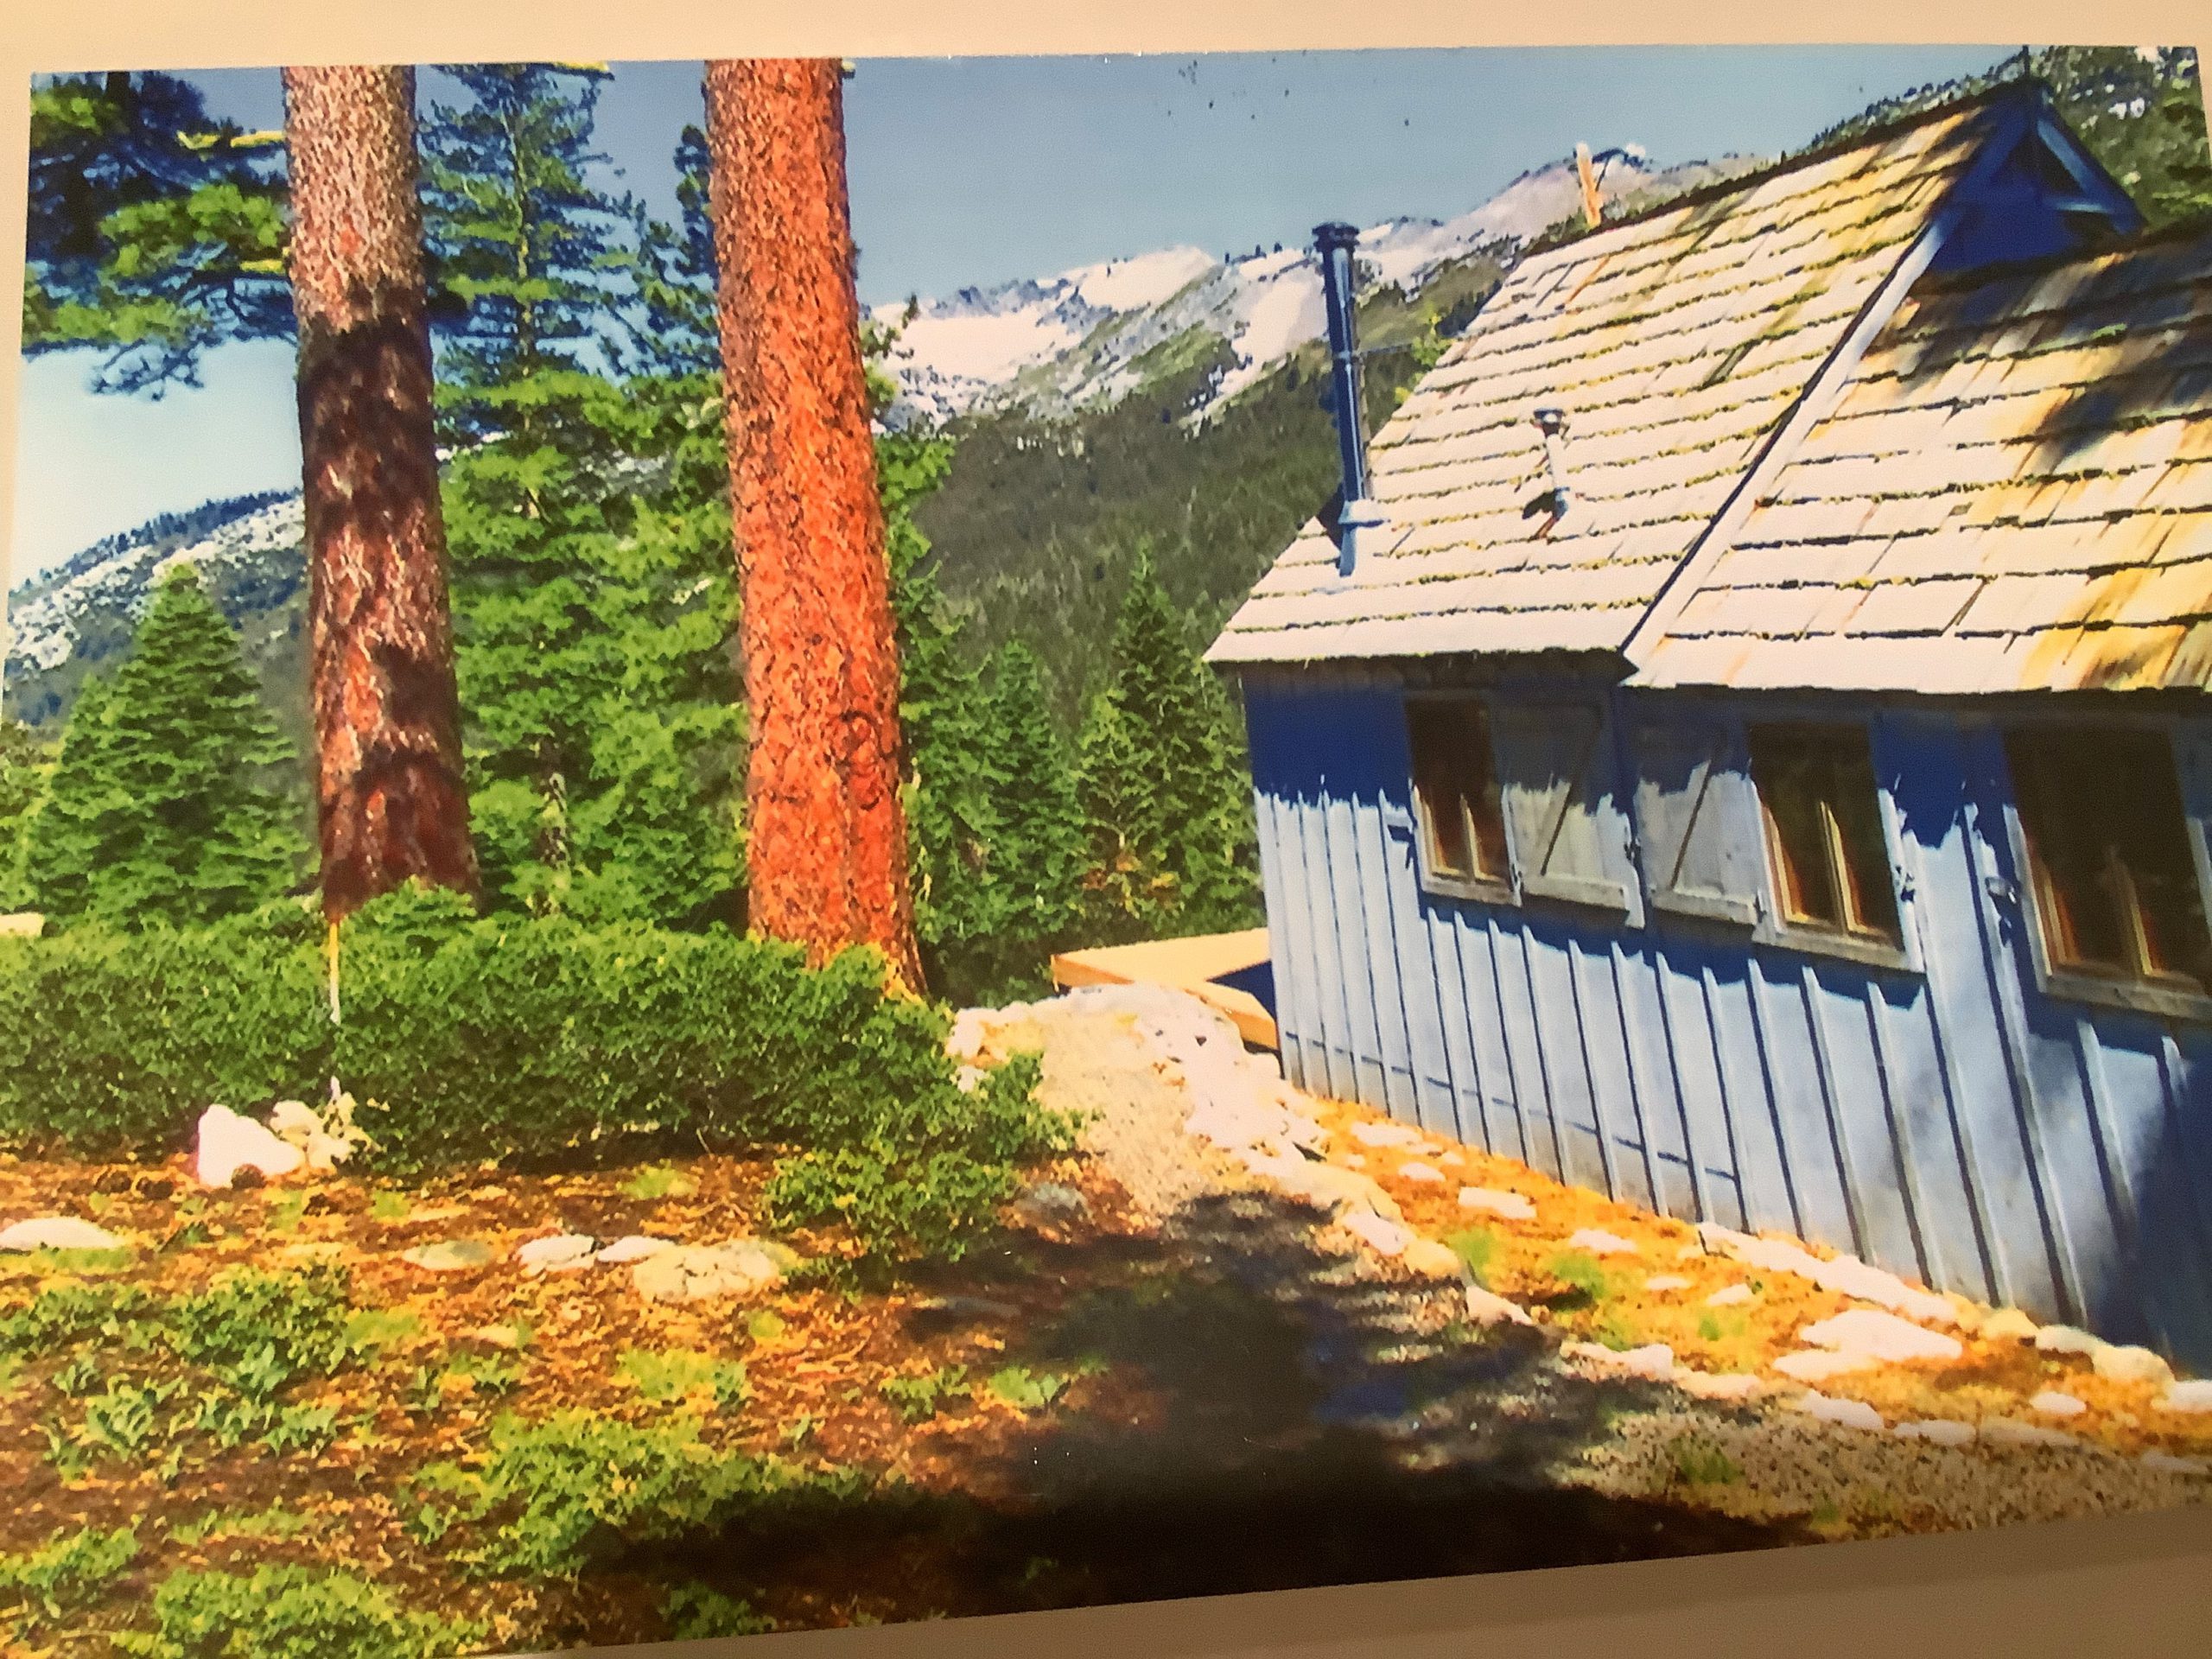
(789, 844)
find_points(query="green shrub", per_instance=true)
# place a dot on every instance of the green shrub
(918, 1399)
(925, 1185)
(674, 1374)
(113, 1043)
(258, 1331)
(479, 1038)
(542, 1037)
(531, 1039)
(554, 1490)
(1700, 1463)
(1580, 1272)
(697, 1613)
(66, 1574)
(289, 1612)
(62, 1316)
(1476, 1247)
(1025, 1389)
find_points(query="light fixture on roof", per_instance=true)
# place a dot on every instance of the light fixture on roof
(1551, 420)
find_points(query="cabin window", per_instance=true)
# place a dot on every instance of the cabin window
(2108, 855)
(1826, 851)
(1455, 792)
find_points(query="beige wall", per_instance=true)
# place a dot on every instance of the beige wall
(2132, 1585)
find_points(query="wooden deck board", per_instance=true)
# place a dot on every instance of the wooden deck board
(1191, 965)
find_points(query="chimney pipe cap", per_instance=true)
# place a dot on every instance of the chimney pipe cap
(1335, 234)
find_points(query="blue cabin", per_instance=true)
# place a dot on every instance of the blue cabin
(1740, 745)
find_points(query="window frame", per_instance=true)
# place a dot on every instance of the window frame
(1775, 926)
(1503, 889)
(2065, 982)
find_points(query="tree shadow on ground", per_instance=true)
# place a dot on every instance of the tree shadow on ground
(1277, 1417)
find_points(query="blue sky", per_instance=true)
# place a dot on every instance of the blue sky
(972, 171)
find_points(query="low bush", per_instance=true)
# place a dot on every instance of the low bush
(673, 1374)
(696, 1613)
(63, 1576)
(550, 1494)
(289, 1612)
(532, 1041)
(111, 1044)
(918, 1399)
(258, 1331)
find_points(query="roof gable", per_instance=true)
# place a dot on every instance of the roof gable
(1676, 344)
(2013, 494)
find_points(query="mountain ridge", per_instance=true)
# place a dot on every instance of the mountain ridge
(1036, 348)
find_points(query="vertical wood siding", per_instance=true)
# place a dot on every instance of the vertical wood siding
(1949, 1120)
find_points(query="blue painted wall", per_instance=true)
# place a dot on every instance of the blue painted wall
(1947, 1120)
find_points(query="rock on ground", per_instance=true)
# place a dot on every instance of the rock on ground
(2117, 1365)
(1508, 1206)
(1819, 1364)
(1847, 1414)
(692, 1272)
(58, 1233)
(449, 1255)
(632, 1246)
(2195, 1395)
(2003, 1431)
(229, 1142)
(1598, 1241)
(1846, 1275)
(1880, 1336)
(1487, 1307)
(1941, 1431)
(1654, 1361)
(558, 1253)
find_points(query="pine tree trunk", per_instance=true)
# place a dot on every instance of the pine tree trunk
(826, 836)
(390, 798)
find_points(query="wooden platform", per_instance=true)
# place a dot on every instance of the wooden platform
(1193, 965)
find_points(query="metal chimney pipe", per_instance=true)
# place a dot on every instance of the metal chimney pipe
(1358, 518)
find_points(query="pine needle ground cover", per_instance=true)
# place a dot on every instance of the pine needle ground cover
(260, 1422)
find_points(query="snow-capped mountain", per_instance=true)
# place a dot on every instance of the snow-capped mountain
(1091, 335)
(1042, 347)
(72, 619)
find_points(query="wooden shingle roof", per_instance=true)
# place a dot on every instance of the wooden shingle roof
(1675, 345)
(2014, 493)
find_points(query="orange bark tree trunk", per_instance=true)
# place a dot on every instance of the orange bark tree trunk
(826, 830)
(390, 801)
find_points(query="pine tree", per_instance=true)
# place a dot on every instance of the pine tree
(1128, 889)
(25, 766)
(595, 612)
(517, 236)
(154, 231)
(1037, 845)
(672, 278)
(588, 529)
(826, 833)
(1166, 801)
(390, 796)
(158, 807)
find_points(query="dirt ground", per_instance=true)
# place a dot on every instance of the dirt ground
(1167, 1380)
